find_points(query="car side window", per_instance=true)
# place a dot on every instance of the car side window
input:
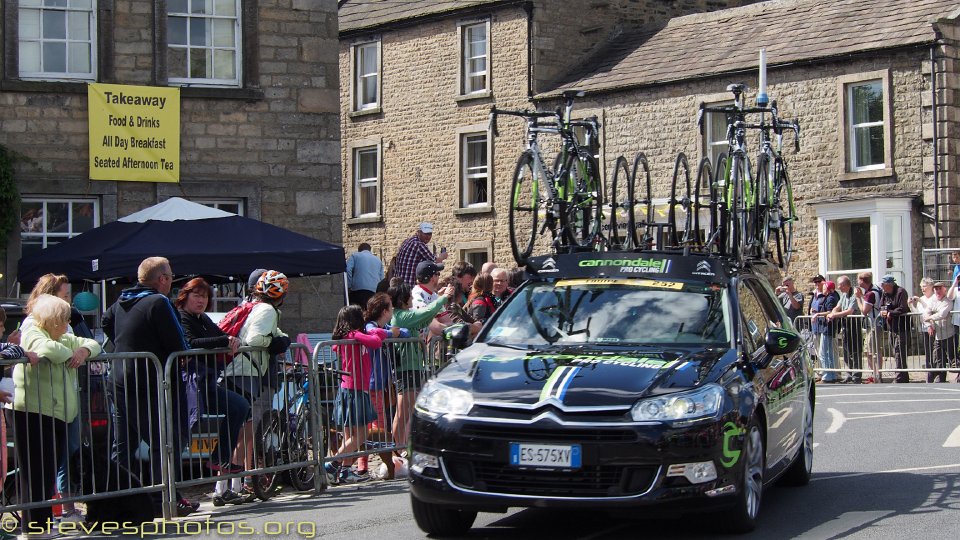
(754, 318)
(768, 300)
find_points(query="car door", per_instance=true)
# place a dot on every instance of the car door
(776, 381)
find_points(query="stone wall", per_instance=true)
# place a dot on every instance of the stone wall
(274, 143)
(418, 133)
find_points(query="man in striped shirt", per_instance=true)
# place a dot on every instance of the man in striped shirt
(414, 251)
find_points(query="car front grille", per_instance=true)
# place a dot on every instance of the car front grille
(534, 434)
(588, 481)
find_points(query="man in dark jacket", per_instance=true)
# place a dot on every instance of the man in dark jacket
(143, 320)
(893, 311)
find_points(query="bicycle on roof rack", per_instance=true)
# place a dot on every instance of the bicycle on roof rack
(748, 211)
(568, 197)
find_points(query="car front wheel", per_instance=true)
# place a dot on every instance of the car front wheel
(743, 517)
(439, 520)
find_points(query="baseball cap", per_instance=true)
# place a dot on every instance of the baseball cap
(888, 279)
(427, 269)
(254, 277)
(817, 279)
(426, 227)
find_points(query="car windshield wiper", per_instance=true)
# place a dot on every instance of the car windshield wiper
(497, 343)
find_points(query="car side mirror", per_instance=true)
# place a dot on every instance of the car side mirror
(779, 342)
(458, 335)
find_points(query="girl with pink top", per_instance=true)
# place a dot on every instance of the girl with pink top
(352, 409)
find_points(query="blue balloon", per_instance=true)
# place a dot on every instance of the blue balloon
(86, 301)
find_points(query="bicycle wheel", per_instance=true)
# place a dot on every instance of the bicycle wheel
(762, 225)
(267, 452)
(583, 212)
(721, 183)
(785, 213)
(301, 449)
(705, 196)
(737, 241)
(621, 207)
(644, 241)
(525, 205)
(675, 239)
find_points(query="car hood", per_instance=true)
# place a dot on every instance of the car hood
(580, 376)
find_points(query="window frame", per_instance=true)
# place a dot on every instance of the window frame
(463, 73)
(356, 92)
(101, 51)
(238, 48)
(353, 149)
(710, 121)
(43, 234)
(217, 203)
(466, 177)
(847, 165)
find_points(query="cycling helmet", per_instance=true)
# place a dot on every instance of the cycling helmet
(273, 284)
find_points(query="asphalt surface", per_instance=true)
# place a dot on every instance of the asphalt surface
(886, 465)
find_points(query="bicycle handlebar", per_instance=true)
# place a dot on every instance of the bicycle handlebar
(527, 114)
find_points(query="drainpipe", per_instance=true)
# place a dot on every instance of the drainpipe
(528, 7)
(936, 150)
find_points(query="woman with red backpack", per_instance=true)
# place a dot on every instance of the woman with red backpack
(481, 303)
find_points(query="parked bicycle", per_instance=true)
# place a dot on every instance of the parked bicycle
(568, 197)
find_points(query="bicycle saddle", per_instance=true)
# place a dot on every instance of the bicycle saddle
(568, 94)
(737, 88)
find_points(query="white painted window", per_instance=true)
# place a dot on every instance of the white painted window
(474, 151)
(47, 222)
(715, 133)
(865, 130)
(366, 181)
(870, 234)
(475, 57)
(57, 39)
(203, 42)
(366, 84)
(234, 206)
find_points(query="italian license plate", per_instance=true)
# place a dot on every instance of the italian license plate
(203, 445)
(562, 456)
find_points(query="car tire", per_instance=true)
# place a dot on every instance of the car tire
(799, 472)
(742, 518)
(439, 520)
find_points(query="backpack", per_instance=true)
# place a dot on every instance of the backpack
(232, 322)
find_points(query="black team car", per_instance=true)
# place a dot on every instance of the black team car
(619, 381)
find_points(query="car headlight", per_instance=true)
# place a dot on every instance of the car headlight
(438, 398)
(700, 403)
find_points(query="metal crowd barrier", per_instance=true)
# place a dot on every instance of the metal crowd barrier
(105, 467)
(856, 344)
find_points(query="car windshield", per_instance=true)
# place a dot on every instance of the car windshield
(613, 311)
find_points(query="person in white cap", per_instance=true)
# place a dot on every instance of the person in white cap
(414, 251)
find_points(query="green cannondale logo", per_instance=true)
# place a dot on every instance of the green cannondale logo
(730, 455)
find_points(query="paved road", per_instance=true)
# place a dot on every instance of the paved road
(886, 466)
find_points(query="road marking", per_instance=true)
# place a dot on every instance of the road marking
(882, 394)
(896, 401)
(837, 422)
(844, 524)
(816, 444)
(891, 471)
(953, 440)
(869, 415)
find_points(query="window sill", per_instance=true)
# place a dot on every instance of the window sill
(59, 87)
(364, 220)
(486, 94)
(365, 112)
(867, 175)
(247, 94)
(473, 210)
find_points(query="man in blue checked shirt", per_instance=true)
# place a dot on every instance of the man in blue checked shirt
(364, 272)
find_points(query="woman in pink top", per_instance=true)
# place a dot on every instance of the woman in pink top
(353, 410)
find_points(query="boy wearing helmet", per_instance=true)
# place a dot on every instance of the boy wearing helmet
(253, 374)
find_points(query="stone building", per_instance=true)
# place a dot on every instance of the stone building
(417, 80)
(876, 178)
(259, 118)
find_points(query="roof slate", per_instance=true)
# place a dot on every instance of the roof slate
(729, 40)
(358, 14)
